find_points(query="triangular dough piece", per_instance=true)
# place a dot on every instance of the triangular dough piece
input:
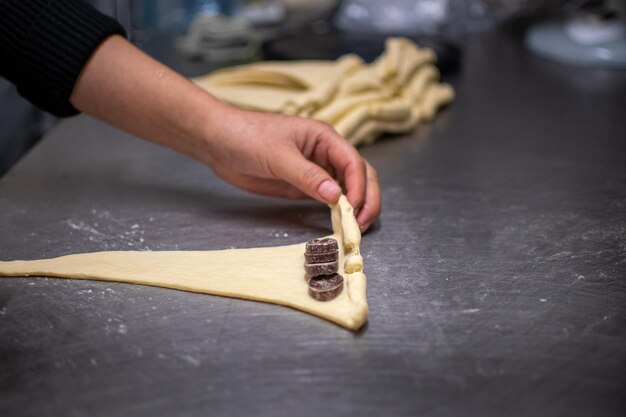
(272, 275)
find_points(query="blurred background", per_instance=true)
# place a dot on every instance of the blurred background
(197, 36)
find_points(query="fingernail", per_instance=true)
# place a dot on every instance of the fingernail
(329, 191)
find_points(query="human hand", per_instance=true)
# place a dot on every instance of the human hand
(290, 157)
(259, 152)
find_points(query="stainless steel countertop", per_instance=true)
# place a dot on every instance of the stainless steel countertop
(496, 273)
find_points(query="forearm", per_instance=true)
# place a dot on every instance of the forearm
(127, 89)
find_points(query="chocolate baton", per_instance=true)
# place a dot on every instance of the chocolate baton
(325, 268)
(321, 245)
(316, 258)
(325, 287)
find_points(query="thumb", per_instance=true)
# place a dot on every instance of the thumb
(310, 178)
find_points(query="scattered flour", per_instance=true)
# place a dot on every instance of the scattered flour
(109, 232)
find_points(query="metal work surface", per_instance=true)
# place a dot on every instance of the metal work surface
(496, 274)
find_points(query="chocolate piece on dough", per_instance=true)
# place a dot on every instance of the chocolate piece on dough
(325, 287)
(321, 245)
(316, 258)
(325, 268)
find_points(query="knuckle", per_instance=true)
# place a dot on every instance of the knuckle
(325, 129)
(310, 176)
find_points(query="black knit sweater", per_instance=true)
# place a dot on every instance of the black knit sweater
(44, 45)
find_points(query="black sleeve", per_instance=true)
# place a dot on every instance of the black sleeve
(44, 45)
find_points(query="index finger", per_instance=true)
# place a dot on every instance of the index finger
(371, 207)
(350, 166)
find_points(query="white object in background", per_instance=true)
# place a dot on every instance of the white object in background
(594, 38)
(593, 29)
(219, 39)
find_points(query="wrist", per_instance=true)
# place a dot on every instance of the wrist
(202, 128)
(214, 130)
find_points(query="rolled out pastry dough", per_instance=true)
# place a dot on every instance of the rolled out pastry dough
(271, 275)
(394, 94)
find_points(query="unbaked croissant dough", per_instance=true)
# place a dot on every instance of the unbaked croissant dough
(272, 275)
(394, 94)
